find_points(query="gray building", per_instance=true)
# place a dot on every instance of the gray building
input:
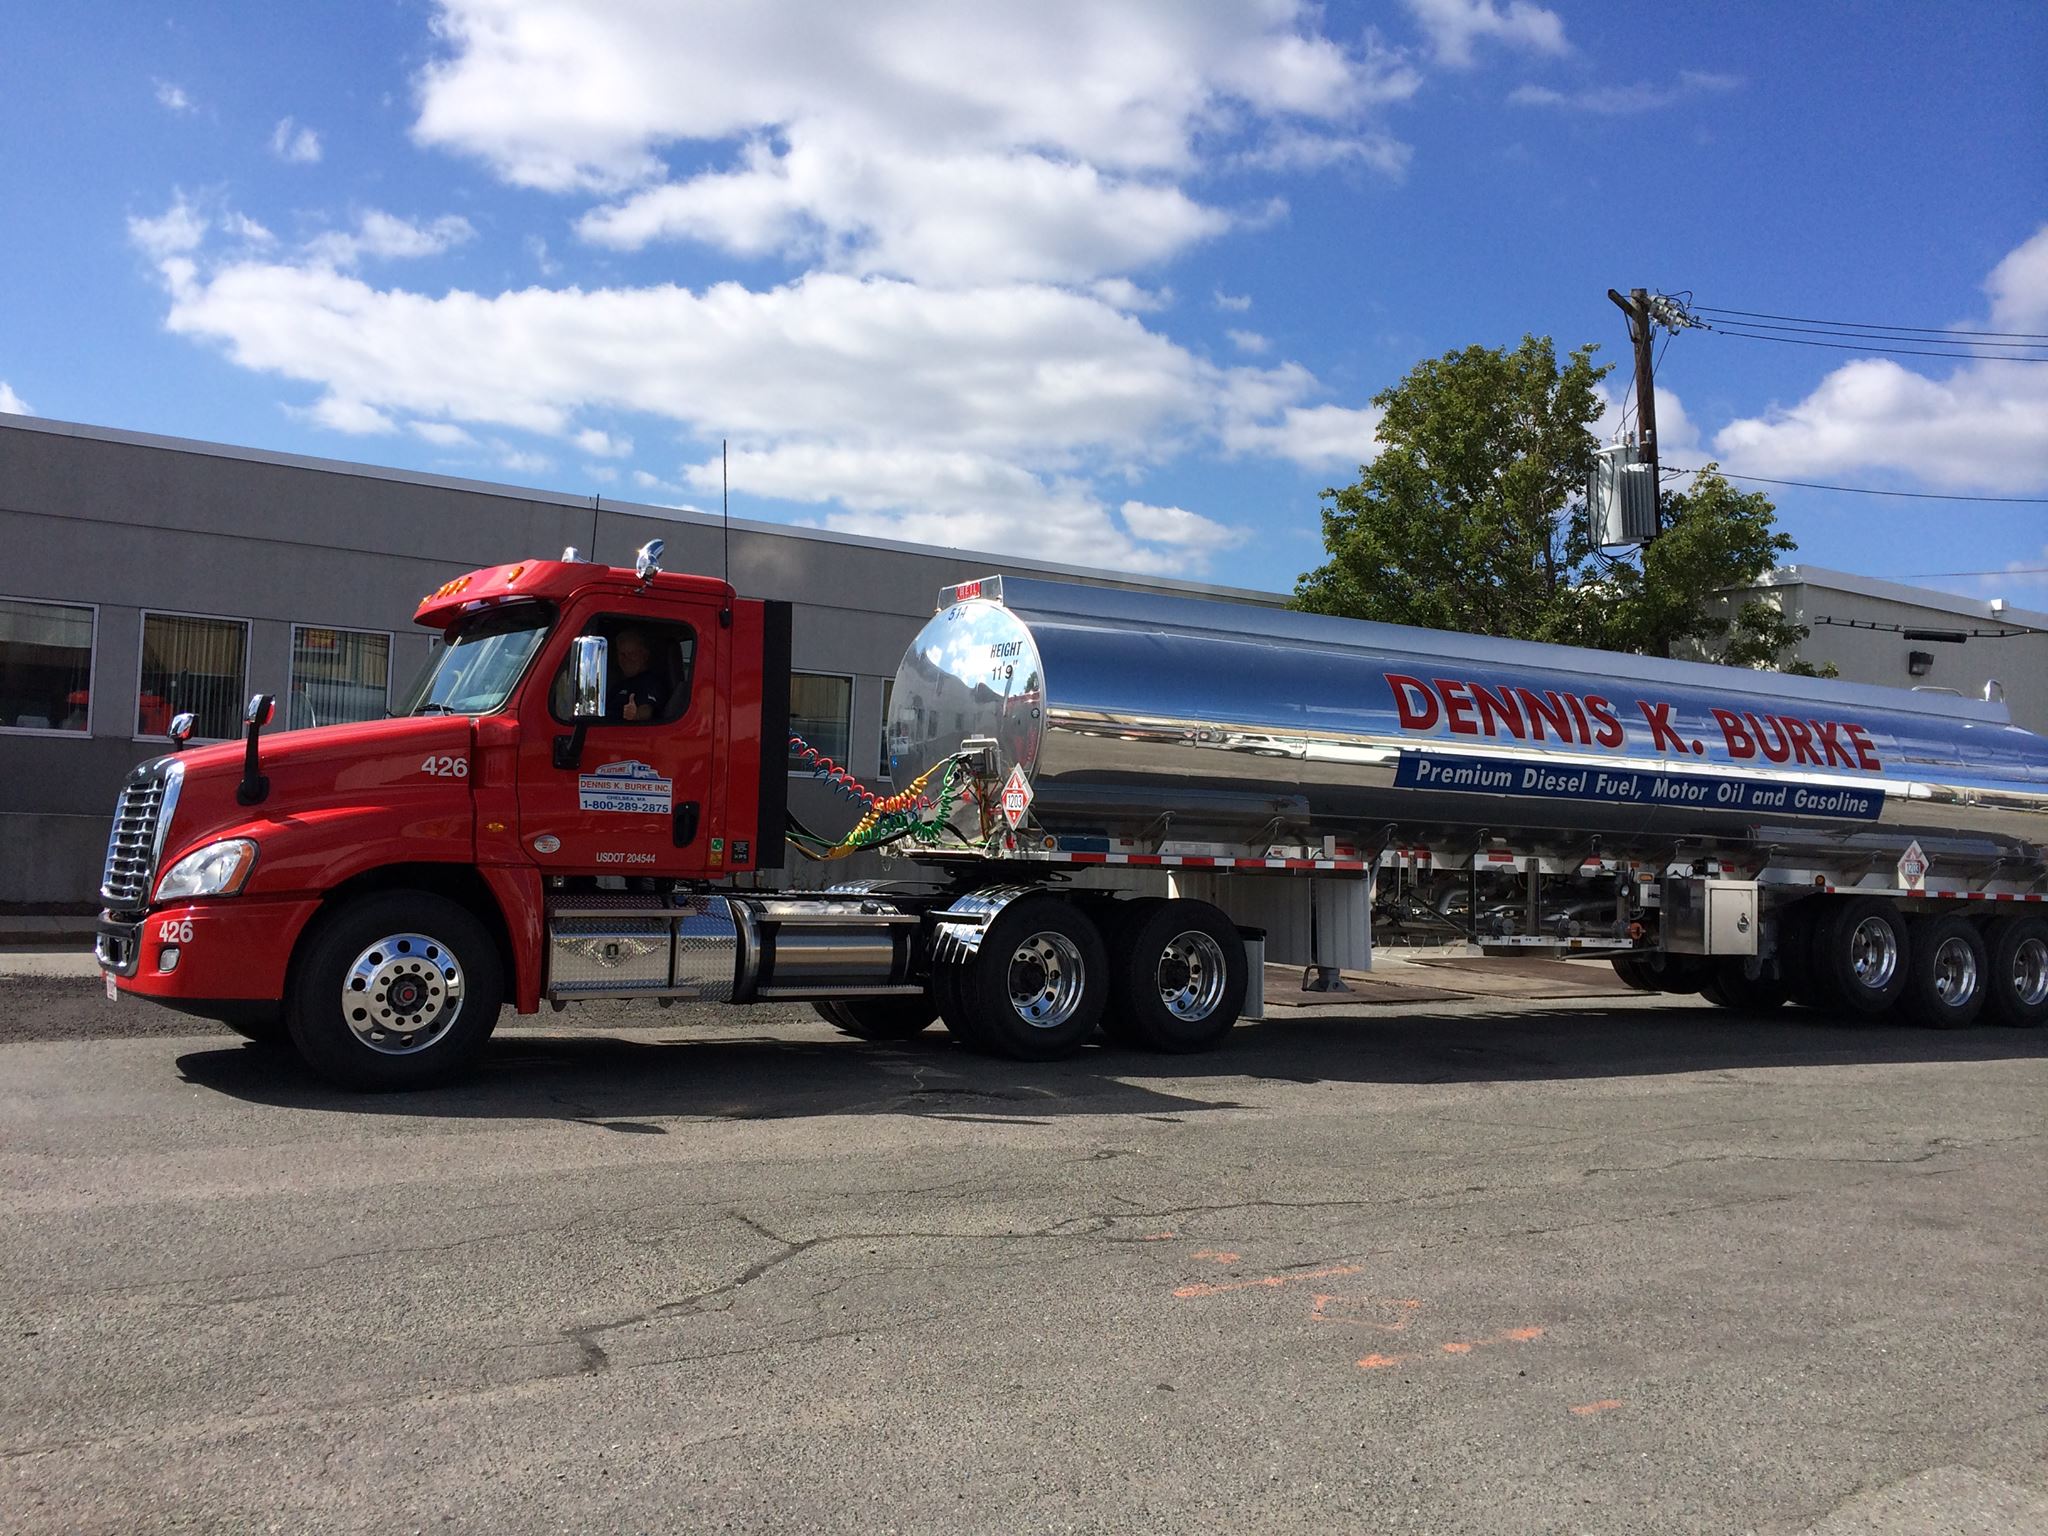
(146, 575)
(1885, 632)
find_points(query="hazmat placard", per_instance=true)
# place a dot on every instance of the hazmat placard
(1016, 797)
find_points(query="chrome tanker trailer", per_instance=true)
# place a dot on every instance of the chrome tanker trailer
(1749, 835)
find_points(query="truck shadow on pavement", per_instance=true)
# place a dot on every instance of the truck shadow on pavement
(630, 1083)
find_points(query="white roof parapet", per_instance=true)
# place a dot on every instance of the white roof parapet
(1822, 578)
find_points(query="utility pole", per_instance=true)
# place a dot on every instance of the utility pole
(1637, 307)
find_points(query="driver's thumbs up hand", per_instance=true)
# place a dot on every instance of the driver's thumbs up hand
(632, 710)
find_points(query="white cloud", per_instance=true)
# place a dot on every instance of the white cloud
(172, 98)
(381, 234)
(1984, 427)
(11, 403)
(1249, 341)
(1678, 436)
(603, 444)
(603, 474)
(1622, 100)
(1290, 149)
(443, 434)
(1233, 303)
(1180, 528)
(340, 413)
(1315, 436)
(294, 143)
(177, 231)
(240, 226)
(522, 461)
(1122, 293)
(558, 94)
(1453, 26)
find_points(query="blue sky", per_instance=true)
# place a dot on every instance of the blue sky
(1109, 284)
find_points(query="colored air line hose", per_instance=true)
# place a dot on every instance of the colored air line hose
(850, 788)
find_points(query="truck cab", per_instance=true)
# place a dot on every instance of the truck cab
(575, 721)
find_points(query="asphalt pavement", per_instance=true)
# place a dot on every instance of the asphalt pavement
(1585, 1264)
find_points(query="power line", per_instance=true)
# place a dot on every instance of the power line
(1958, 339)
(1844, 346)
(1865, 325)
(1865, 490)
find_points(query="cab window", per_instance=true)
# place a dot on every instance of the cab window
(648, 671)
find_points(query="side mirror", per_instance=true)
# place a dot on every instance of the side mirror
(181, 729)
(589, 661)
(261, 707)
(647, 563)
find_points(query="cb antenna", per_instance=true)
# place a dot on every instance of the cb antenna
(725, 513)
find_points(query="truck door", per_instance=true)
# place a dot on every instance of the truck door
(638, 799)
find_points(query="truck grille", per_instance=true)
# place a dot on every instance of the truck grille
(141, 817)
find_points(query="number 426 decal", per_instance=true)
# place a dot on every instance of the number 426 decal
(446, 767)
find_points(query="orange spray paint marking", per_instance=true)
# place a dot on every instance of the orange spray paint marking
(1377, 1362)
(1459, 1349)
(1158, 1237)
(1219, 1255)
(1585, 1410)
(1523, 1335)
(1272, 1282)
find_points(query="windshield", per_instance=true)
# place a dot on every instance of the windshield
(474, 667)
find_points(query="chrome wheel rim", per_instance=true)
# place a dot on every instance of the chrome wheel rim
(1955, 973)
(1045, 980)
(1189, 975)
(1873, 953)
(403, 994)
(2030, 973)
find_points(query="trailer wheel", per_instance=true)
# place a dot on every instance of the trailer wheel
(1038, 984)
(1948, 969)
(1119, 926)
(883, 1018)
(1675, 973)
(398, 990)
(1179, 980)
(1743, 984)
(2017, 971)
(1860, 955)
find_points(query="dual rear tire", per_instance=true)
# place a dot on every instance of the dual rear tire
(1863, 957)
(1162, 975)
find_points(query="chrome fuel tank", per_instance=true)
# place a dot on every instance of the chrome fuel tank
(1148, 717)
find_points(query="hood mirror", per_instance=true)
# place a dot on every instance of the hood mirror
(181, 729)
(254, 788)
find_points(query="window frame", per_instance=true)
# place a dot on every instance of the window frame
(142, 619)
(92, 672)
(639, 620)
(852, 682)
(886, 767)
(291, 659)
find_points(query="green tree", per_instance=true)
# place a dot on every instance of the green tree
(1473, 518)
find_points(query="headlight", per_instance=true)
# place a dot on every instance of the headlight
(218, 869)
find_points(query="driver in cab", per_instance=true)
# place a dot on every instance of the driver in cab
(637, 694)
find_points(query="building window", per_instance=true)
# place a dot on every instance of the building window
(888, 768)
(338, 676)
(196, 664)
(45, 666)
(820, 711)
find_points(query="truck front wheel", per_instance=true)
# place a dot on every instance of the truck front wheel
(398, 990)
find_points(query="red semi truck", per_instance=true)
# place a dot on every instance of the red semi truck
(573, 799)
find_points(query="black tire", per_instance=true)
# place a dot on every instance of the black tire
(1039, 982)
(1743, 984)
(432, 942)
(1860, 955)
(828, 1010)
(1795, 953)
(950, 999)
(886, 1018)
(1118, 925)
(2017, 972)
(1190, 949)
(1634, 971)
(1946, 979)
(1675, 973)
(265, 1029)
